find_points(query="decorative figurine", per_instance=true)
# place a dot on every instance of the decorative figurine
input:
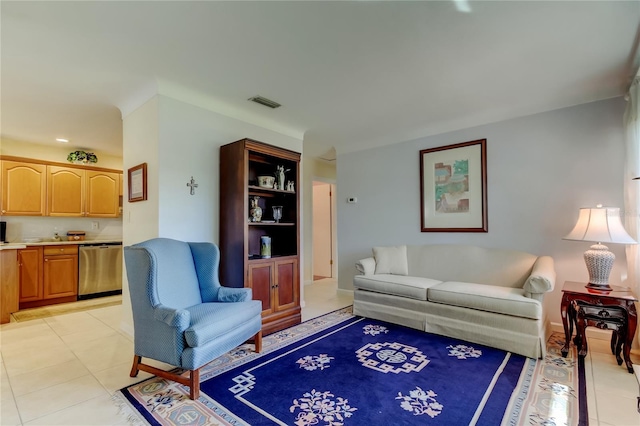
(280, 182)
(290, 186)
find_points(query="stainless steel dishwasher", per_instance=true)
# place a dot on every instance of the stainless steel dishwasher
(100, 270)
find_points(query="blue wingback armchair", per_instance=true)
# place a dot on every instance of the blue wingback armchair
(181, 314)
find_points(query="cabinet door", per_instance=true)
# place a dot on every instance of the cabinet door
(23, 188)
(286, 284)
(9, 284)
(65, 191)
(60, 276)
(103, 189)
(260, 280)
(30, 273)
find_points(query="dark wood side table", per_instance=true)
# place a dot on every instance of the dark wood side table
(619, 297)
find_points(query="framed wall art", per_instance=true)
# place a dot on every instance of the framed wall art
(138, 183)
(453, 188)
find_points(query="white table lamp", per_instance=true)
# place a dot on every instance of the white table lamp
(600, 225)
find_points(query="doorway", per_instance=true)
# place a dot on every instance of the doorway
(322, 230)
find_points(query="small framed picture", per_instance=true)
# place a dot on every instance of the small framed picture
(138, 183)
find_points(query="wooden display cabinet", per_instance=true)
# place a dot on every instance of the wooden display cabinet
(275, 280)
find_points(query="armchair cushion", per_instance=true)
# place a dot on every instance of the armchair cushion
(212, 320)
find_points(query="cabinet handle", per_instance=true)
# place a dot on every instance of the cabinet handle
(46, 260)
(4, 211)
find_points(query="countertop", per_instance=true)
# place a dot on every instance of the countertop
(17, 246)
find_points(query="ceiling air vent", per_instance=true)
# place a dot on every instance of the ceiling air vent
(264, 101)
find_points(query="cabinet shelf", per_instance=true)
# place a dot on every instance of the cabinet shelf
(260, 190)
(271, 224)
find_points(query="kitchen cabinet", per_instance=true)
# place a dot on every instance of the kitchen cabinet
(23, 188)
(9, 285)
(60, 272)
(65, 191)
(82, 193)
(30, 274)
(48, 275)
(274, 280)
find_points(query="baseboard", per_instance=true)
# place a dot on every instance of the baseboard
(345, 292)
(594, 333)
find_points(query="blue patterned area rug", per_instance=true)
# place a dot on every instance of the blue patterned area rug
(345, 370)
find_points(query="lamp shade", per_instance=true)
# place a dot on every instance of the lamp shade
(600, 225)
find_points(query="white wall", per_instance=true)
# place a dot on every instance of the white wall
(179, 140)
(189, 145)
(541, 170)
(140, 219)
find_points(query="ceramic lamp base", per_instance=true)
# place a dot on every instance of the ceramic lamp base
(599, 262)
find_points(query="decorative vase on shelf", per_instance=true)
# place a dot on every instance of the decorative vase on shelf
(265, 247)
(255, 211)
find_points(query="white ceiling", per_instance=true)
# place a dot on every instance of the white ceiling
(349, 74)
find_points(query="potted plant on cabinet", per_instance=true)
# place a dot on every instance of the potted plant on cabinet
(82, 157)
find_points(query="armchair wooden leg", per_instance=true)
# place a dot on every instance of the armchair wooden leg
(258, 341)
(193, 381)
(134, 367)
(194, 384)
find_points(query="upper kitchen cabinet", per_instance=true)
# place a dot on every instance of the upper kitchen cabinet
(103, 192)
(23, 188)
(83, 193)
(66, 191)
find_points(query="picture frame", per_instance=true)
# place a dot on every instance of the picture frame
(138, 183)
(453, 188)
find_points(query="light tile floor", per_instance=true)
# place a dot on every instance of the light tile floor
(63, 370)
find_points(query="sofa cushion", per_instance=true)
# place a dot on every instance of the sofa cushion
(398, 285)
(502, 300)
(210, 320)
(391, 260)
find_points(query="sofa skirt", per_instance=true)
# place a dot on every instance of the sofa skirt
(519, 335)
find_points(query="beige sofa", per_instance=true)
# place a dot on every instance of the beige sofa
(482, 295)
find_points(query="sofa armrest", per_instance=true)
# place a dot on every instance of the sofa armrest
(542, 278)
(366, 266)
(178, 318)
(229, 294)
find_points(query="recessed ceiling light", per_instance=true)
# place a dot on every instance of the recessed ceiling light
(62, 140)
